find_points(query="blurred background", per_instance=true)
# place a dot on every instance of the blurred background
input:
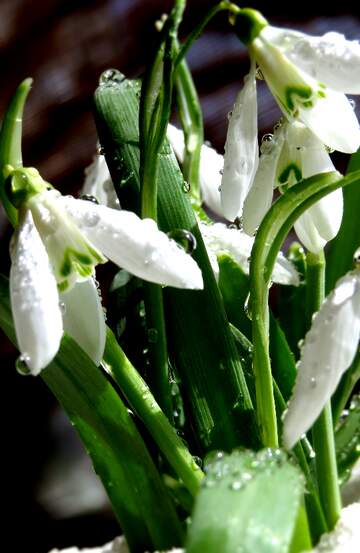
(50, 496)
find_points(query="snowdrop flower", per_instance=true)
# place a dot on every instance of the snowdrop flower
(118, 545)
(345, 537)
(211, 168)
(55, 248)
(241, 150)
(98, 183)
(220, 239)
(308, 77)
(293, 154)
(327, 352)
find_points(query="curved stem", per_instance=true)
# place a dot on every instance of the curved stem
(269, 239)
(222, 6)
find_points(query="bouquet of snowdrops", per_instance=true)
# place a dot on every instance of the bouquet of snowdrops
(215, 422)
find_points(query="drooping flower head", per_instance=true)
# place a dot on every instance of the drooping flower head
(299, 71)
(58, 243)
(294, 153)
(327, 352)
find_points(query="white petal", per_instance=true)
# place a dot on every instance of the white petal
(330, 59)
(211, 166)
(176, 138)
(241, 150)
(321, 222)
(218, 238)
(34, 298)
(135, 244)
(327, 352)
(259, 198)
(333, 120)
(345, 537)
(98, 183)
(84, 319)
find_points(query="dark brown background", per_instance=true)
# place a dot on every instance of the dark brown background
(64, 46)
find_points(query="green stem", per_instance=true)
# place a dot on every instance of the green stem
(143, 403)
(265, 402)
(323, 434)
(192, 124)
(157, 343)
(222, 6)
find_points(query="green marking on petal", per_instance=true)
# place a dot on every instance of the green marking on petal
(321, 94)
(295, 95)
(284, 176)
(63, 286)
(78, 262)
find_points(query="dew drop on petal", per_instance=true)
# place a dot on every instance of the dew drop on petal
(62, 307)
(313, 382)
(21, 364)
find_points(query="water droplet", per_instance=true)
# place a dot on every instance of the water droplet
(186, 186)
(21, 364)
(152, 335)
(352, 103)
(268, 137)
(313, 382)
(111, 76)
(183, 238)
(259, 74)
(356, 259)
(237, 485)
(62, 307)
(221, 172)
(91, 219)
(89, 198)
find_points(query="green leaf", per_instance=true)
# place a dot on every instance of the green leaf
(248, 503)
(291, 300)
(282, 359)
(234, 287)
(201, 345)
(120, 458)
(339, 259)
(10, 142)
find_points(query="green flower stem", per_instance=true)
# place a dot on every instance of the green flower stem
(314, 509)
(143, 403)
(322, 431)
(222, 6)
(192, 124)
(10, 142)
(157, 342)
(271, 234)
(155, 106)
(266, 411)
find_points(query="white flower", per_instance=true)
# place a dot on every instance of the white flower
(327, 352)
(294, 154)
(345, 538)
(211, 167)
(54, 251)
(308, 77)
(98, 183)
(241, 150)
(220, 239)
(118, 545)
